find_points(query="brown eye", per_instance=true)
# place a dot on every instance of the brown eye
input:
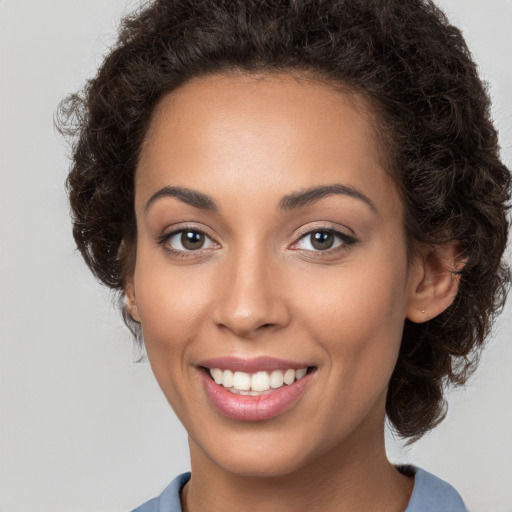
(322, 240)
(192, 240)
(187, 240)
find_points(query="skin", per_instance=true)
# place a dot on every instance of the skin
(258, 287)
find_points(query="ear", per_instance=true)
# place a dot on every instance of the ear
(130, 299)
(433, 280)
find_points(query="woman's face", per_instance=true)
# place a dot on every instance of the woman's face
(270, 245)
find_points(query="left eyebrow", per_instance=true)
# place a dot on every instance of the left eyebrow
(185, 195)
(310, 195)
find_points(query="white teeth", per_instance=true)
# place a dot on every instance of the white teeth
(241, 392)
(253, 384)
(276, 379)
(289, 377)
(242, 381)
(217, 375)
(260, 381)
(300, 373)
(227, 378)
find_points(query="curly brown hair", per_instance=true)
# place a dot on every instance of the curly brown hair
(416, 71)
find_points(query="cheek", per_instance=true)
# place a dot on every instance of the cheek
(169, 300)
(359, 330)
(359, 298)
(169, 313)
(169, 305)
(357, 316)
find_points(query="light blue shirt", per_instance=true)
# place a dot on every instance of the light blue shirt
(430, 494)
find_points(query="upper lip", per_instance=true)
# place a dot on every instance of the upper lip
(257, 364)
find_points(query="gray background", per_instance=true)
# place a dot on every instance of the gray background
(83, 428)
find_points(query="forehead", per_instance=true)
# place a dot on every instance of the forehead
(277, 129)
(282, 100)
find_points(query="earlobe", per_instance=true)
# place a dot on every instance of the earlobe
(434, 281)
(130, 300)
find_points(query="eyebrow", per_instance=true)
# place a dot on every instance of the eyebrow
(310, 195)
(289, 202)
(185, 195)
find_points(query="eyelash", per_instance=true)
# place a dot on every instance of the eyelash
(344, 241)
(163, 241)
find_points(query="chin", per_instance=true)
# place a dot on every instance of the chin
(254, 466)
(264, 456)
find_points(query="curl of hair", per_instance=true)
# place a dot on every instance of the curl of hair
(416, 71)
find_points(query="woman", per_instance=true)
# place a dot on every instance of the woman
(303, 207)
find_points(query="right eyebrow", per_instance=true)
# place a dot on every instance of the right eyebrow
(310, 195)
(185, 195)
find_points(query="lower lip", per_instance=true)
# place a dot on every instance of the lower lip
(254, 408)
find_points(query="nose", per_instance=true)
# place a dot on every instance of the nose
(250, 299)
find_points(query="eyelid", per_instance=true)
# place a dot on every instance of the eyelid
(345, 239)
(176, 230)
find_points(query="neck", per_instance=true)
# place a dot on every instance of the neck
(354, 477)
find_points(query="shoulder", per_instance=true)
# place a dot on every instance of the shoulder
(432, 493)
(169, 500)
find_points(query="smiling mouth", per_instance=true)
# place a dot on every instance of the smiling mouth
(258, 383)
